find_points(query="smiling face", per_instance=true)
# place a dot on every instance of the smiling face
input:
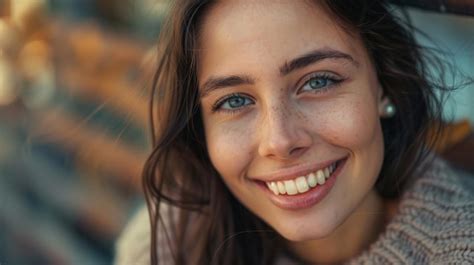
(290, 104)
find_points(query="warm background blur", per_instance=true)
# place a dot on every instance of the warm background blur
(73, 119)
(73, 114)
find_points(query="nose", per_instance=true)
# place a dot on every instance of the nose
(283, 134)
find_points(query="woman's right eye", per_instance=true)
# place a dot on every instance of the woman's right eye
(232, 103)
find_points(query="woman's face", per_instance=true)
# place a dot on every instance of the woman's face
(290, 104)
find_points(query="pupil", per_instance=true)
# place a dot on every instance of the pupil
(236, 102)
(317, 83)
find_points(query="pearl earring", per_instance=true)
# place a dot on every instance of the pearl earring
(389, 110)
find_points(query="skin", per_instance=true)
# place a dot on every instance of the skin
(285, 123)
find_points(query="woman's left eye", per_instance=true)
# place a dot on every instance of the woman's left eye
(320, 83)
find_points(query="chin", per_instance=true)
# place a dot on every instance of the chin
(310, 230)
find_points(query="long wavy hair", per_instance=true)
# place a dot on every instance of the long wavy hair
(178, 171)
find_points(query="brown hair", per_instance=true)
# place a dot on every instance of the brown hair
(179, 172)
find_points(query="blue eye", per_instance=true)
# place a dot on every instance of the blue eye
(232, 102)
(320, 83)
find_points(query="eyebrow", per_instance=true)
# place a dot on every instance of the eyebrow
(313, 57)
(214, 83)
(302, 61)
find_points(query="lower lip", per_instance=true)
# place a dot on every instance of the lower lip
(307, 199)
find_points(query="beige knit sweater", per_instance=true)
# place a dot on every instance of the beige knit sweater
(434, 225)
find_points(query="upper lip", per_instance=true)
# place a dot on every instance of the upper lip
(294, 172)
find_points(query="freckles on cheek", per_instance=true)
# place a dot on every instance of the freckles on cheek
(228, 149)
(352, 123)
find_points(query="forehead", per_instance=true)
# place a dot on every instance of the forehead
(239, 34)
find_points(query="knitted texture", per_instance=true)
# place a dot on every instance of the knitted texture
(434, 225)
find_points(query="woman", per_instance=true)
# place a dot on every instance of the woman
(284, 132)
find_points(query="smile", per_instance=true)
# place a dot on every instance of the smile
(302, 184)
(305, 190)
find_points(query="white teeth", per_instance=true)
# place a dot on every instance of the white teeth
(326, 172)
(290, 187)
(273, 187)
(312, 181)
(301, 184)
(321, 178)
(281, 187)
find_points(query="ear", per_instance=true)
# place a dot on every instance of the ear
(380, 99)
(381, 104)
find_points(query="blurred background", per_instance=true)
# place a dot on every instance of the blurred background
(74, 76)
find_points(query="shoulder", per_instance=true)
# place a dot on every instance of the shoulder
(434, 224)
(441, 207)
(442, 187)
(133, 245)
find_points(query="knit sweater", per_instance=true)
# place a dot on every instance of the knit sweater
(434, 224)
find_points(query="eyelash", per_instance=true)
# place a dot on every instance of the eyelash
(217, 107)
(334, 79)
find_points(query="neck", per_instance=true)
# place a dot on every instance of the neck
(349, 239)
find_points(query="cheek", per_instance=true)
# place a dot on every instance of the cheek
(229, 148)
(355, 126)
(348, 122)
